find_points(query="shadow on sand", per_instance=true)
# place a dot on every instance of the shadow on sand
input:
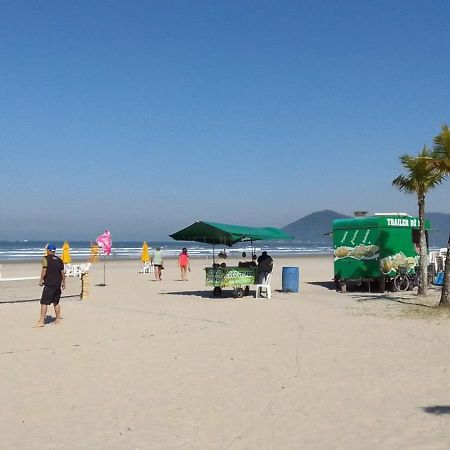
(437, 410)
(226, 294)
(27, 300)
(49, 319)
(325, 284)
(403, 300)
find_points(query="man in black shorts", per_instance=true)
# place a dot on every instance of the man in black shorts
(53, 280)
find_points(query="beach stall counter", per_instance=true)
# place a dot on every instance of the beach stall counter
(381, 249)
(219, 276)
(238, 277)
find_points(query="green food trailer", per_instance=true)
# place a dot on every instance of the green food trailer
(375, 249)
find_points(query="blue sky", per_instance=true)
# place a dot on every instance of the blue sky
(143, 117)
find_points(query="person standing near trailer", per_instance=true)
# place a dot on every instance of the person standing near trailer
(265, 266)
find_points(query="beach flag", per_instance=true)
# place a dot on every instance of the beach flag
(104, 241)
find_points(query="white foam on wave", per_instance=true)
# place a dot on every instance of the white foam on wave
(21, 253)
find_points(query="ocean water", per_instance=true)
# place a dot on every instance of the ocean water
(80, 250)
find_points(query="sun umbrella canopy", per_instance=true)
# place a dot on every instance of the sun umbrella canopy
(66, 258)
(145, 257)
(224, 234)
(95, 250)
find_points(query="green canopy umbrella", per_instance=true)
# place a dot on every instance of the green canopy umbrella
(224, 234)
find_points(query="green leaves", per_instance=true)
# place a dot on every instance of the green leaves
(422, 174)
(441, 150)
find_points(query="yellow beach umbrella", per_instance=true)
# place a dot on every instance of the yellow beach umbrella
(145, 257)
(95, 250)
(66, 253)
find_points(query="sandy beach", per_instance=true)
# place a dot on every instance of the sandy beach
(163, 365)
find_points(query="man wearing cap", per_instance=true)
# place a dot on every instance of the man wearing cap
(53, 280)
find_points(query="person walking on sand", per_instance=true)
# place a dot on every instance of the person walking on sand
(53, 280)
(158, 263)
(183, 263)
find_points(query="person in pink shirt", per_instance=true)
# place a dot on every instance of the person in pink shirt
(183, 263)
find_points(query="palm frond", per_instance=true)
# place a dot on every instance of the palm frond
(421, 175)
(441, 149)
(405, 184)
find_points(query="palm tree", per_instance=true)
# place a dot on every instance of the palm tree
(441, 161)
(421, 177)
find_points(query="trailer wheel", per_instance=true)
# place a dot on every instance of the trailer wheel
(217, 292)
(401, 283)
(239, 293)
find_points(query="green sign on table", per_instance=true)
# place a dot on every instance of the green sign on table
(230, 276)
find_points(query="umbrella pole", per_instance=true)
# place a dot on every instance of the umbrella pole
(214, 271)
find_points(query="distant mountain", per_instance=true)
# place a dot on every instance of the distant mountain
(440, 226)
(313, 227)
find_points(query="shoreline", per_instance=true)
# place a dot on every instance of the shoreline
(78, 260)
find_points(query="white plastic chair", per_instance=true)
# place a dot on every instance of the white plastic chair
(264, 288)
(70, 270)
(146, 268)
(84, 268)
(76, 270)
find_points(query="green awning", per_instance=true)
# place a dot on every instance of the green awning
(224, 234)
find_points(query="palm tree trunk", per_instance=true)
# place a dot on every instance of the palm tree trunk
(444, 294)
(423, 262)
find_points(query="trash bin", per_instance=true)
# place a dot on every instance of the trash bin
(289, 279)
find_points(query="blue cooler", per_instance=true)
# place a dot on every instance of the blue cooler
(289, 279)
